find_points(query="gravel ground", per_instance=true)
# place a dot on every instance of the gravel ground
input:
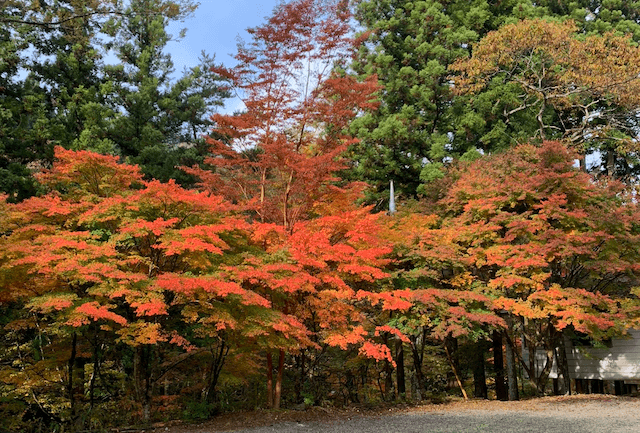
(583, 414)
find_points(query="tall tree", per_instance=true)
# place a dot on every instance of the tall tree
(23, 119)
(278, 159)
(58, 90)
(553, 248)
(421, 124)
(164, 119)
(416, 126)
(107, 263)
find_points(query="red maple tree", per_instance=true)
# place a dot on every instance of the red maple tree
(106, 259)
(550, 246)
(278, 159)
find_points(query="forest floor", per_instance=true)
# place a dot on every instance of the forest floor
(578, 413)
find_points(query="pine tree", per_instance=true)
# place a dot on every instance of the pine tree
(421, 125)
(57, 89)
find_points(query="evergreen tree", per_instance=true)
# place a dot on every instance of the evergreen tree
(56, 88)
(409, 45)
(421, 124)
(163, 119)
(23, 120)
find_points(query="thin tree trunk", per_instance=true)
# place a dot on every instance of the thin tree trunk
(72, 364)
(402, 390)
(142, 379)
(452, 363)
(352, 387)
(512, 375)
(278, 390)
(417, 368)
(479, 376)
(389, 392)
(563, 366)
(269, 381)
(146, 407)
(218, 355)
(498, 365)
(543, 106)
(300, 360)
(583, 161)
(94, 373)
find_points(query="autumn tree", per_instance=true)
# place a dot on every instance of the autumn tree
(430, 300)
(581, 89)
(278, 159)
(552, 248)
(108, 263)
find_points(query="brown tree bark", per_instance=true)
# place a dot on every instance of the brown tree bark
(498, 365)
(479, 375)
(269, 381)
(402, 389)
(278, 391)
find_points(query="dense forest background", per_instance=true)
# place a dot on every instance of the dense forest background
(162, 259)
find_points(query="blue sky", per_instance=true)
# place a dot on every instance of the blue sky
(215, 27)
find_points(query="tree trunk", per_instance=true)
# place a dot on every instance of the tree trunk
(417, 368)
(71, 367)
(611, 164)
(95, 372)
(300, 363)
(402, 390)
(583, 161)
(351, 385)
(142, 379)
(218, 356)
(563, 366)
(278, 391)
(479, 376)
(450, 346)
(269, 381)
(543, 377)
(538, 377)
(512, 375)
(498, 365)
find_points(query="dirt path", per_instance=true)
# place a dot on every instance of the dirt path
(583, 414)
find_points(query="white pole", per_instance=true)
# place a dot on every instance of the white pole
(392, 199)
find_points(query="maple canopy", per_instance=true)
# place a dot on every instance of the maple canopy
(278, 159)
(528, 221)
(138, 264)
(277, 155)
(548, 244)
(105, 245)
